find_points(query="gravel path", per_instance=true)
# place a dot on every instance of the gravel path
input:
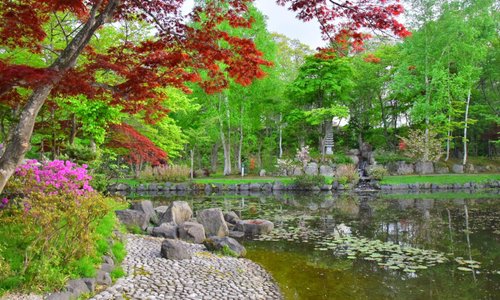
(205, 276)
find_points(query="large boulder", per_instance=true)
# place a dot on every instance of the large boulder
(174, 249)
(213, 222)
(424, 167)
(146, 207)
(262, 173)
(456, 168)
(311, 168)
(192, 232)
(231, 217)
(325, 170)
(218, 243)
(177, 212)
(401, 168)
(254, 227)
(77, 287)
(131, 218)
(165, 230)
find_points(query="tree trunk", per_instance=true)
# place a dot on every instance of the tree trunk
(465, 127)
(191, 171)
(19, 139)
(240, 144)
(226, 142)
(72, 133)
(281, 136)
(214, 156)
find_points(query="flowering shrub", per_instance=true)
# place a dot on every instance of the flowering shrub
(53, 177)
(303, 155)
(347, 174)
(285, 166)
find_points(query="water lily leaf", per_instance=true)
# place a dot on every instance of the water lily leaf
(464, 269)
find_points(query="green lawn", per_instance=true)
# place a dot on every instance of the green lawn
(440, 178)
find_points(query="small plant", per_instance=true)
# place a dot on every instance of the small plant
(117, 272)
(341, 158)
(303, 155)
(383, 157)
(307, 182)
(347, 174)
(286, 166)
(226, 251)
(119, 251)
(378, 172)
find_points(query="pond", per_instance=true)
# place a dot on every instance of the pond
(383, 246)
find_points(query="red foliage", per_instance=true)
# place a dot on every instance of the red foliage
(138, 148)
(370, 58)
(179, 53)
(342, 22)
(402, 145)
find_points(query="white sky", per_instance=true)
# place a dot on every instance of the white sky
(283, 21)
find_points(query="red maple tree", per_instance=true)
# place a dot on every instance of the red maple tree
(138, 148)
(183, 48)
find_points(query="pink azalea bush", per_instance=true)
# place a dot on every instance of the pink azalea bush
(53, 177)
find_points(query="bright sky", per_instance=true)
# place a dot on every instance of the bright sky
(283, 21)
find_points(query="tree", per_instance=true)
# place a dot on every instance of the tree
(180, 48)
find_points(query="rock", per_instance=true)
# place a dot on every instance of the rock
(254, 187)
(326, 171)
(217, 243)
(213, 222)
(180, 187)
(236, 234)
(354, 152)
(424, 167)
(325, 187)
(107, 267)
(244, 187)
(311, 168)
(142, 187)
(60, 296)
(400, 168)
(161, 209)
(91, 283)
(103, 278)
(440, 169)
(122, 187)
(146, 207)
(278, 186)
(231, 217)
(266, 187)
(192, 232)
(165, 230)
(456, 168)
(262, 173)
(131, 218)
(77, 287)
(108, 260)
(297, 171)
(469, 168)
(255, 227)
(177, 212)
(354, 158)
(174, 249)
(154, 187)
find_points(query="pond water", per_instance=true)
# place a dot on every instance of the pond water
(343, 246)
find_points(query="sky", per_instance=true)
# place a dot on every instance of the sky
(283, 21)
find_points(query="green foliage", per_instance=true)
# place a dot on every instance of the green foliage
(385, 157)
(119, 251)
(341, 158)
(83, 268)
(441, 179)
(423, 146)
(226, 251)
(378, 172)
(307, 182)
(117, 272)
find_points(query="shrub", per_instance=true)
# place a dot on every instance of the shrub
(117, 272)
(378, 172)
(347, 174)
(341, 158)
(384, 158)
(417, 147)
(176, 173)
(307, 182)
(286, 166)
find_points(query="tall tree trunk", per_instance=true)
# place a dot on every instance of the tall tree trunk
(448, 139)
(214, 156)
(281, 136)
(226, 141)
(191, 171)
(240, 144)
(19, 139)
(465, 127)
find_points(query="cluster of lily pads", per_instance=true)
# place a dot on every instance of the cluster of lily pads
(467, 265)
(386, 254)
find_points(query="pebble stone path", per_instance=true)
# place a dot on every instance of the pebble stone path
(205, 276)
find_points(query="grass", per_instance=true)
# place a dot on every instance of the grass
(440, 178)
(440, 196)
